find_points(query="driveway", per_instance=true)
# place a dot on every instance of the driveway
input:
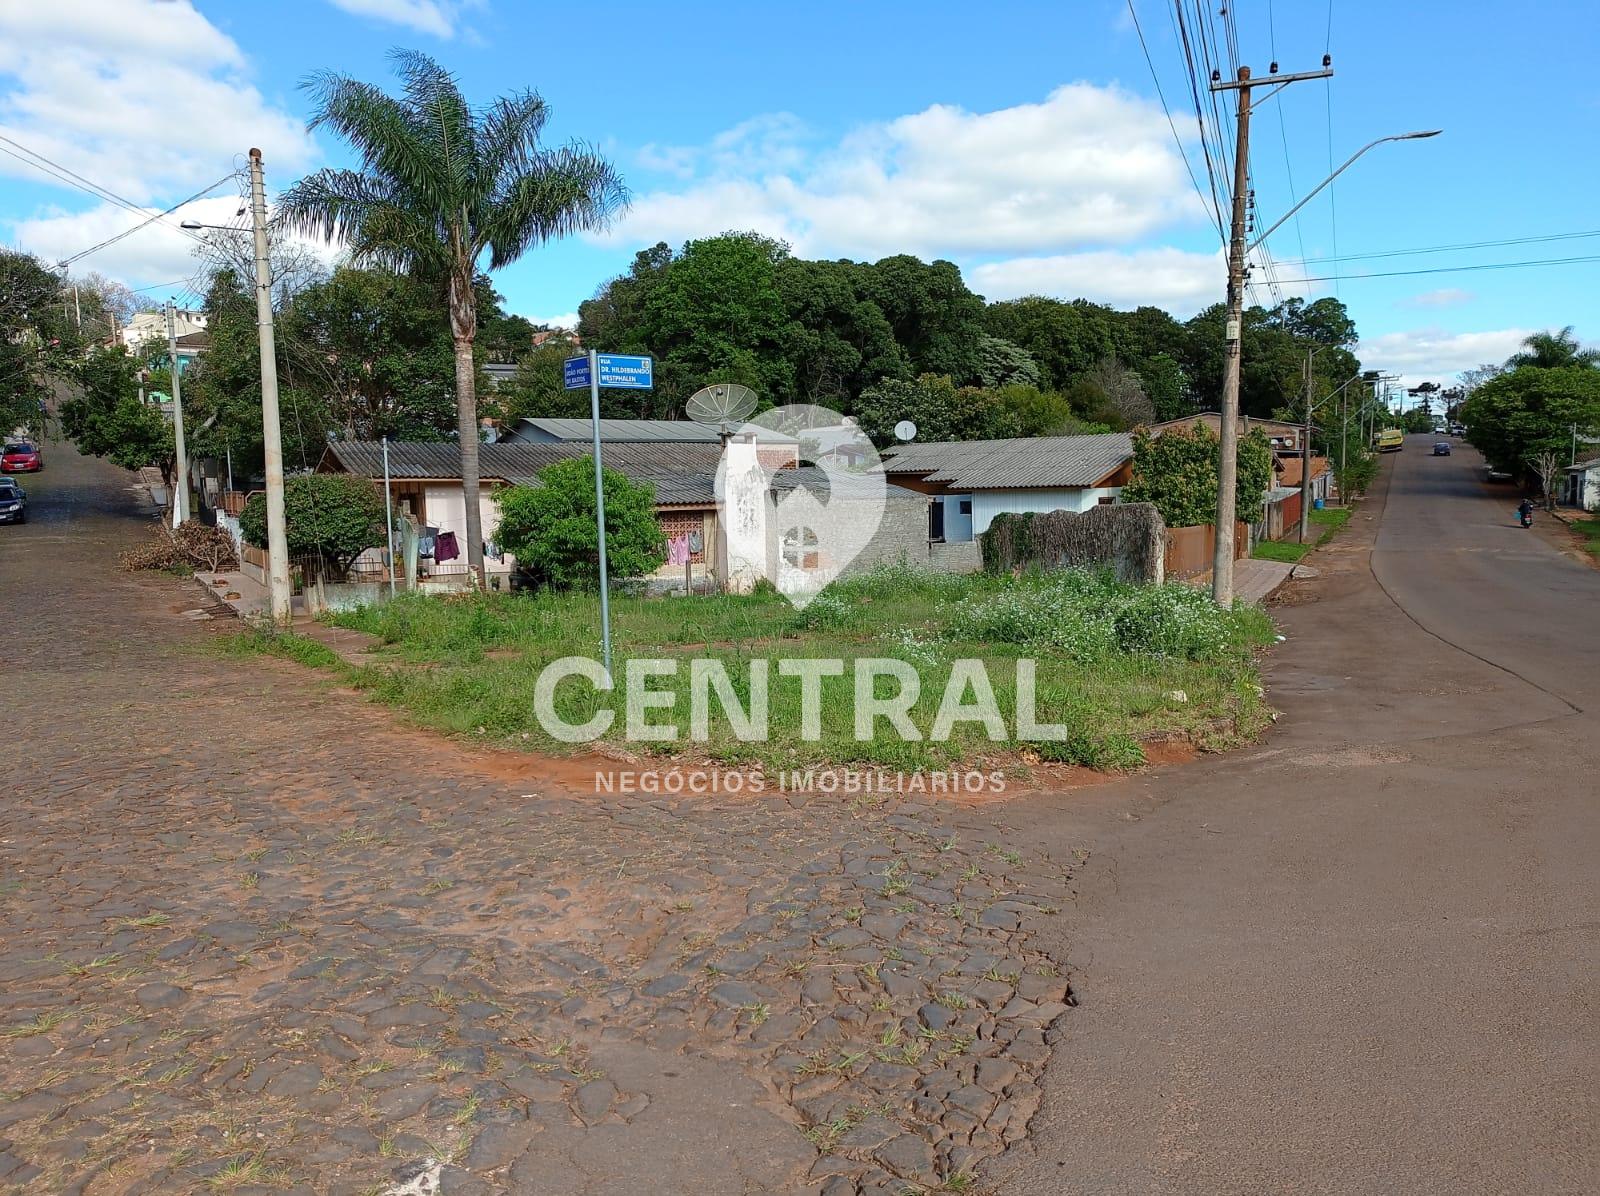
(1361, 957)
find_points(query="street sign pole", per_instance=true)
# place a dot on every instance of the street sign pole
(600, 510)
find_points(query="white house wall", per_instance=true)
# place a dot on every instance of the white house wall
(447, 510)
(986, 504)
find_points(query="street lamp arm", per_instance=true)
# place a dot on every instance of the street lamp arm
(1315, 191)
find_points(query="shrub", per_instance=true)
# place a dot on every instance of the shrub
(334, 516)
(550, 528)
(1090, 617)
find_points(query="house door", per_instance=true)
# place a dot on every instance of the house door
(936, 520)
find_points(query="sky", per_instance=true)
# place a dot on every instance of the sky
(1027, 142)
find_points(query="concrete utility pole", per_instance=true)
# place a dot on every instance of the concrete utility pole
(180, 487)
(271, 434)
(1305, 451)
(1228, 467)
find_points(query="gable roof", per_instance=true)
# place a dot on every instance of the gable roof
(1290, 470)
(682, 474)
(640, 431)
(1032, 463)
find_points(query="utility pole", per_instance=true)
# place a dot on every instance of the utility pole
(1228, 466)
(271, 434)
(1305, 452)
(180, 487)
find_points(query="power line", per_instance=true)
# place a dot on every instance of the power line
(145, 223)
(1530, 240)
(1214, 212)
(73, 179)
(1553, 261)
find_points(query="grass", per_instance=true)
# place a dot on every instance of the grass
(1589, 529)
(1287, 551)
(1331, 520)
(1115, 664)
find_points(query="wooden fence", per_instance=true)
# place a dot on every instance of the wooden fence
(1190, 549)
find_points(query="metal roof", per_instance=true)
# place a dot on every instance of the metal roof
(681, 473)
(1584, 465)
(642, 431)
(1031, 463)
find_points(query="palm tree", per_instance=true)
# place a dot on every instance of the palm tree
(1554, 350)
(440, 184)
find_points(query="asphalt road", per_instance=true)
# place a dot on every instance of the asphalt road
(1362, 956)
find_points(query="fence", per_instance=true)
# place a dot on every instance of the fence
(1190, 550)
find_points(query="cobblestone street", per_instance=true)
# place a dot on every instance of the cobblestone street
(256, 935)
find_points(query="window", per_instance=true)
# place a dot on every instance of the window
(1107, 500)
(800, 548)
(966, 506)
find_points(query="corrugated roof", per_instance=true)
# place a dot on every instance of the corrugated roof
(1291, 470)
(1590, 464)
(645, 431)
(1040, 462)
(681, 473)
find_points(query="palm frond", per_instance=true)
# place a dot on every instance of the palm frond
(382, 131)
(508, 134)
(572, 189)
(443, 121)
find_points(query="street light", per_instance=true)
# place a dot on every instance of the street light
(1254, 245)
(1233, 329)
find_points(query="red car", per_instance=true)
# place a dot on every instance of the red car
(20, 457)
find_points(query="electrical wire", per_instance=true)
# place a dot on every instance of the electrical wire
(1211, 210)
(1530, 240)
(83, 253)
(73, 179)
(1181, 30)
(1554, 261)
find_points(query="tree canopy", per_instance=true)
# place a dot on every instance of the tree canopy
(551, 528)
(333, 516)
(1177, 471)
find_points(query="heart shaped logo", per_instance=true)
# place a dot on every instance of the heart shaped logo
(800, 494)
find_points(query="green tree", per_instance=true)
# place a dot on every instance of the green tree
(105, 418)
(936, 320)
(538, 389)
(1177, 471)
(1553, 350)
(1001, 363)
(1065, 339)
(1532, 409)
(551, 528)
(441, 184)
(940, 409)
(1045, 413)
(36, 339)
(333, 517)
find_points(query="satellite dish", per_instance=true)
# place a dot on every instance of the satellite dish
(721, 403)
(905, 430)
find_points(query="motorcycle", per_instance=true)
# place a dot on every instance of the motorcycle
(1525, 516)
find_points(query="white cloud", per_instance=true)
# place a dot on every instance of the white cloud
(567, 319)
(1445, 297)
(157, 253)
(145, 97)
(1087, 166)
(436, 17)
(1181, 281)
(1434, 355)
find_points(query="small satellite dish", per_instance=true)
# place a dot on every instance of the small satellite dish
(721, 403)
(905, 430)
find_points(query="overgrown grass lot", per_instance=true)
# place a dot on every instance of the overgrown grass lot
(1589, 529)
(1116, 664)
(1331, 520)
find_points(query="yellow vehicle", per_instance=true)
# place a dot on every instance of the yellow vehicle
(1390, 440)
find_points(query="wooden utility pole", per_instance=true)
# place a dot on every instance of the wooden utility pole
(1228, 466)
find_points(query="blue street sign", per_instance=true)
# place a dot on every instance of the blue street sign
(626, 372)
(575, 373)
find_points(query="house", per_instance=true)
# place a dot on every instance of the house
(969, 482)
(647, 431)
(1285, 436)
(1583, 485)
(152, 326)
(1288, 471)
(425, 484)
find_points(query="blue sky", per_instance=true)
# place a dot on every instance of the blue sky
(1022, 140)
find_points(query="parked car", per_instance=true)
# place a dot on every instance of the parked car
(21, 456)
(13, 502)
(1458, 429)
(1441, 448)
